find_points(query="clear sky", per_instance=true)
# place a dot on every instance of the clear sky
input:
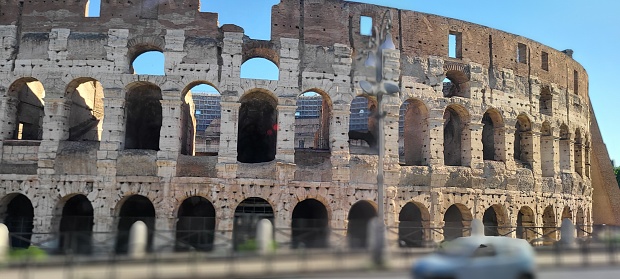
(590, 28)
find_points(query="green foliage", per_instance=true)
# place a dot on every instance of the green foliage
(31, 253)
(248, 245)
(617, 173)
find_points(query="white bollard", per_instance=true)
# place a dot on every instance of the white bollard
(4, 243)
(477, 227)
(138, 238)
(264, 237)
(567, 233)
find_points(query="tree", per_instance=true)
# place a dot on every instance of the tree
(617, 173)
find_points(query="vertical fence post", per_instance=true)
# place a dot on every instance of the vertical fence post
(264, 236)
(138, 237)
(4, 243)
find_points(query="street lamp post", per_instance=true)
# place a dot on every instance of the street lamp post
(378, 86)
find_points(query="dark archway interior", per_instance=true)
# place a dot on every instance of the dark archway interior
(490, 222)
(76, 226)
(410, 227)
(567, 213)
(360, 215)
(453, 223)
(414, 131)
(19, 220)
(363, 124)
(452, 130)
(488, 137)
(135, 208)
(144, 117)
(258, 118)
(525, 224)
(456, 84)
(309, 225)
(247, 215)
(549, 224)
(30, 112)
(196, 225)
(517, 143)
(86, 113)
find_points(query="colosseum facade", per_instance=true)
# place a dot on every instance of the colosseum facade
(495, 126)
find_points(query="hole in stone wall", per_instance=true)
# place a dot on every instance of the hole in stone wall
(455, 222)
(247, 215)
(19, 220)
(544, 57)
(456, 84)
(411, 231)
(455, 45)
(546, 101)
(578, 149)
(312, 118)
(522, 53)
(452, 137)
(201, 129)
(526, 223)
(135, 208)
(196, 225)
(149, 63)
(522, 143)
(93, 8)
(143, 116)
(309, 226)
(27, 108)
(362, 126)
(413, 133)
(259, 68)
(575, 82)
(565, 154)
(359, 217)
(86, 113)
(254, 17)
(365, 26)
(76, 226)
(549, 225)
(489, 219)
(258, 119)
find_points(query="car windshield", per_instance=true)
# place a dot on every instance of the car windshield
(456, 249)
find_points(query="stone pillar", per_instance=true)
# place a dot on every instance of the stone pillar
(55, 129)
(435, 127)
(229, 133)
(8, 113)
(535, 158)
(339, 140)
(113, 134)
(510, 147)
(548, 155)
(232, 58)
(476, 153)
(285, 147)
(170, 135)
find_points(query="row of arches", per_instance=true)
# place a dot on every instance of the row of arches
(258, 126)
(196, 223)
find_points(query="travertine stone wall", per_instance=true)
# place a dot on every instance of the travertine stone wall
(315, 45)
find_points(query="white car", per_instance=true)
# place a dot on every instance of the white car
(478, 257)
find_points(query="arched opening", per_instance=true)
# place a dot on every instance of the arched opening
(149, 62)
(456, 84)
(492, 135)
(86, 112)
(258, 128)
(309, 227)
(523, 141)
(546, 150)
(565, 160)
(412, 225)
(93, 8)
(525, 224)
(494, 220)
(413, 133)
(363, 128)
(549, 225)
(360, 215)
(578, 149)
(76, 226)
(134, 208)
(312, 118)
(457, 220)
(25, 110)
(195, 225)
(456, 136)
(567, 213)
(144, 116)
(580, 223)
(247, 215)
(259, 68)
(200, 120)
(546, 101)
(19, 219)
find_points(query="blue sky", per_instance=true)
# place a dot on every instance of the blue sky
(587, 27)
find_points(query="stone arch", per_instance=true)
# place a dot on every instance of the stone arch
(547, 155)
(493, 139)
(526, 221)
(359, 218)
(567, 213)
(456, 136)
(195, 227)
(496, 221)
(523, 145)
(363, 127)
(545, 102)
(580, 223)
(260, 49)
(565, 154)
(200, 119)
(131, 209)
(414, 134)
(25, 110)
(312, 120)
(143, 118)
(549, 224)
(457, 221)
(310, 225)
(578, 150)
(413, 224)
(247, 215)
(76, 224)
(85, 119)
(457, 84)
(18, 216)
(258, 121)
(139, 45)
